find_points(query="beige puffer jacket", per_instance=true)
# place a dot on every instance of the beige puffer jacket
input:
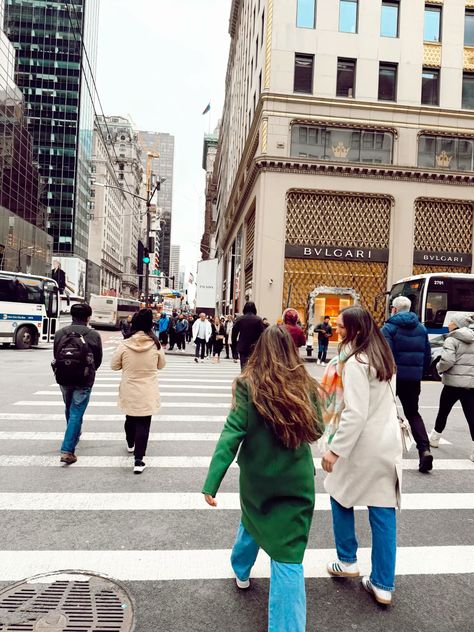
(138, 358)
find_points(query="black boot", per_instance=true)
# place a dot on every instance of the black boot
(426, 461)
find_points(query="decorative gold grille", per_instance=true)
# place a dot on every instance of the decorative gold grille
(432, 55)
(469, 58)
(421, 269)
(367, 279)
(338, 218)
(443, 225)
(250, 237)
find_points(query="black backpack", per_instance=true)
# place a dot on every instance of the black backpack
(74, 362)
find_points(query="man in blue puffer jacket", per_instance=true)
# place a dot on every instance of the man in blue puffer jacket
(409, 343)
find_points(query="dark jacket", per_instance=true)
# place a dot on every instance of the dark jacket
(248, 329)
(324, 331)
(60, 277)
(92, 338)
(181, 326)
(410, 346)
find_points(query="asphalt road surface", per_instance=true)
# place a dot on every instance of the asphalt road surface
(155, 533)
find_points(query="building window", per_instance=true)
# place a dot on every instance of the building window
(387, 82)
(341, 144)
(303, 81)
(430, 86)
(348, 14)
(389, 19)
(469, 29)
(432, 31)
(346, 71)
(468, 91)
(306, 14)
(444, 152)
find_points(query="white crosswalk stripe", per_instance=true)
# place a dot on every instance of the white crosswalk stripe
(36, 423)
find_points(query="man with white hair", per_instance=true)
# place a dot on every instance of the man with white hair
(408, 340)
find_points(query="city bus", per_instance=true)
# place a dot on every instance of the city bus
(29, 309)
(434, 297)
(111, 311)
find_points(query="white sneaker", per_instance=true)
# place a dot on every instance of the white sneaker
(341, 569)
(434, 438)
(472, 456)
(131, 450)
(381, 596)
(318, 362)
(138, 467)
(242, 585)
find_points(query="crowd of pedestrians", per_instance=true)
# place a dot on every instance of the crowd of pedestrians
(278, 411)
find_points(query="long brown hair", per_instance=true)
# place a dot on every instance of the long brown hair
(282, 390)
(364, 337)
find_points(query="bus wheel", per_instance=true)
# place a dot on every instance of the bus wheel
(24, 338)
(5, 345)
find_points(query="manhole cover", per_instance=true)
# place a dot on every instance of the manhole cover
(66, 602)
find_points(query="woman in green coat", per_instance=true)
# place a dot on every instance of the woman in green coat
(274, 418)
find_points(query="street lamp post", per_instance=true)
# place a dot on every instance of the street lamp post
(149, 196)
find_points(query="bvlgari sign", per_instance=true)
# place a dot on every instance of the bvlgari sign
(337, 253)
(448, 259)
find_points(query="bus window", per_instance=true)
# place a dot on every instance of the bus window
(412, 290)
(436, 308)
(462, 295)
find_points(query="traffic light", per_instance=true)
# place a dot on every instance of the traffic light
(146, 257)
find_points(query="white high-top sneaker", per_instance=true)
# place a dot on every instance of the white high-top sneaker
(434, 438)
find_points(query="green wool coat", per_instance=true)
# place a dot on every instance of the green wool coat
(276, 483)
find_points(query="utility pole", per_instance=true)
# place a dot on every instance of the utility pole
(149, 196)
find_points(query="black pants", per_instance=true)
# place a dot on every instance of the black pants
(137, 431)
(323, 349)
(243, 361)
(409, 393)
(181, 340)
(172, 334)
(449, 396)
(200, 347)
(209, 346)
(218, 346)
(235, 355)
(189, 333)
(227, 347)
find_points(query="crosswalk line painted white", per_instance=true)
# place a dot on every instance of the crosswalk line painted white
(165, 385)
(163, 392)
(185, 462)
(170, 380)
(179, 404)
(152, 565)
(105, 417)
(194, 501)
(108, 436)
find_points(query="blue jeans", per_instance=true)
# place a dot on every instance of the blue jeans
(383, 523)
(322, 351)
(287, 600)
(76, 400)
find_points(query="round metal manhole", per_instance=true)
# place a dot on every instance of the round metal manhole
(66, 601)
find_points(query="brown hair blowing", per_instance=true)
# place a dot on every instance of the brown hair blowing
(364, 337)
(282, 390)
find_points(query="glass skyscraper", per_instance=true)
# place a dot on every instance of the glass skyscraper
(56, 45)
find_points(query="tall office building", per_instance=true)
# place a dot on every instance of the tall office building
(56, 44)
(24, 243)
(175, 264)
(346, 150)
(162, 167)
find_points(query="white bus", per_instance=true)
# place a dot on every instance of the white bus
(111, 311)
(434, 297)
(29, 309)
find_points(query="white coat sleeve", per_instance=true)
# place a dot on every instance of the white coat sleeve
(356, 408)
(448, 356)
(161, 359)
(116, 361)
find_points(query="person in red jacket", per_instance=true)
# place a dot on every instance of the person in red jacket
(290, 319)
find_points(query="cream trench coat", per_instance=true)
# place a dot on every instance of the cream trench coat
(138, 358)
(368, 442)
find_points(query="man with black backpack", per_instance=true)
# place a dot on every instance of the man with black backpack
(77, 356)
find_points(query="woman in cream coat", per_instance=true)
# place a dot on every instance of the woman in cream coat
(139, 357)
(365, 456)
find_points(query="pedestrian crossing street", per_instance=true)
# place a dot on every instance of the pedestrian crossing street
(97, 516)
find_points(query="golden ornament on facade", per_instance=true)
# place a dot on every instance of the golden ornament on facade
(340, 150)
(443, 159)
(469, 58)
(432, 55)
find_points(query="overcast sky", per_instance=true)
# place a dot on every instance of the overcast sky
(161, 62)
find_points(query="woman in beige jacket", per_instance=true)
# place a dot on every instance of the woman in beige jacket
(365, 456)
(138, 357)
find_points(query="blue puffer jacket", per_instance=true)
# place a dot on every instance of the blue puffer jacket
(409, 343)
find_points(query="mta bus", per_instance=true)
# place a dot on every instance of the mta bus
(111, 311)
(29, 309)
(434, 297)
